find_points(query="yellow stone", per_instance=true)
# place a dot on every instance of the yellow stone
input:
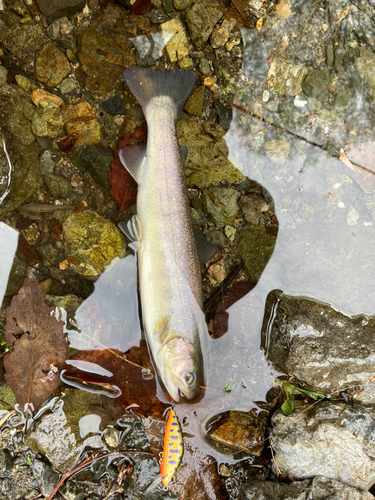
(177, 47)
(209, 81)
(283, 9)
(186, 63)
(40, 95)
(80, 119)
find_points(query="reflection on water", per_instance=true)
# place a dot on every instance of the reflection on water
(316, 163)
(8, 243)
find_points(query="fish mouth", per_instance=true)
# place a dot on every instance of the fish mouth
(173, 391)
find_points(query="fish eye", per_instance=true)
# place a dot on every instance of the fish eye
(189, 377)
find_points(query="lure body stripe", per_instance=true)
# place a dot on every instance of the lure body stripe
(173, 448)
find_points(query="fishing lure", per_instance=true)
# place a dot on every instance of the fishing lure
(173, 448)
(172, 451)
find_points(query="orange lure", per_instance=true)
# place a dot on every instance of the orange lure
(173, 448)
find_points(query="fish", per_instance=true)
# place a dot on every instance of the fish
(162, 235)
(173, 450)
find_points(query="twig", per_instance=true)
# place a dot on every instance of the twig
(44, 218)
(4, 419)
(90, 461)
(31, 386)
(234, 103)
(123, 357)
(222, 288)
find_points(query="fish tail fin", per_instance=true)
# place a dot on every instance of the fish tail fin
(146, 84)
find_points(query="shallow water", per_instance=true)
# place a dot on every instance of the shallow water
(325, 243)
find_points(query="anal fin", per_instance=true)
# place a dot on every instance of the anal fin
(206, 250)
(133, 159)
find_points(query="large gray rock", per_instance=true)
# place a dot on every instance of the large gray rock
(319, 345)
(201, 20)
(320, 488)
(331, 439)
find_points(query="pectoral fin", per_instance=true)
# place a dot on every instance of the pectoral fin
(133, 231)
(206, 249)
(133, 159)
(161, 328)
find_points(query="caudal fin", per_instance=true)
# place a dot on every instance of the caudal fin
(145, 84)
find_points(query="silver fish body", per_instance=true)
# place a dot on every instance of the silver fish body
(168, 264)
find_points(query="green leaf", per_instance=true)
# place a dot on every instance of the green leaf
(287, 407)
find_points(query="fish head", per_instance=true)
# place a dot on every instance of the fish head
(181, 368)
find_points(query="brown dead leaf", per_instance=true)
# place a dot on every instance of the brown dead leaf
(38, 344)
(124, 187)
(141, 7)
(239, 11)
(128, 377)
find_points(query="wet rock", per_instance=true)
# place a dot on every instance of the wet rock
(201, 19)
(253, 208)
(181, 4)
(47, 478)
(96, 159)
(319, 488)
(286, 78)
(198, 217)
(224, 115)
(242, 431)
(316, 84)
(23, 41)
(49, 255)
(51, 66)
(47, 120)
(204, 66)
(194, 104)
(94, 241)
(219, 37)
(3, 76)
(16, 276)
(16, 131)
(59, 187)
(342, 98)
(221, 204)
(330, 440)
(364, 65)
(255, 247)
(23, 82)
(352, 216)
(317, 344)
(207, 160)
(16, 477)
(47, 165)
(68, 303)
(80, 119)
(114, 106)
(60, 8)
(177, 45)
(277, 151)
(68, 85)
(53, 438)
(106, 53)
(216, 236)
(369, 201)
(39, 95)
